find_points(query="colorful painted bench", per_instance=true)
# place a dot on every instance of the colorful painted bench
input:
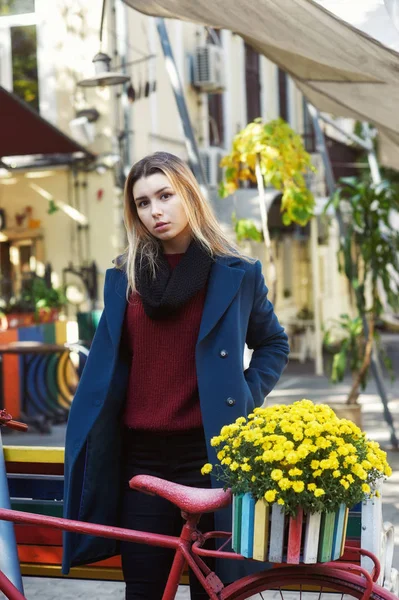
(12, 369)
(36, 484)
(35, 479)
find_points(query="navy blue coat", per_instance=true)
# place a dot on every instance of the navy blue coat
(236, 312)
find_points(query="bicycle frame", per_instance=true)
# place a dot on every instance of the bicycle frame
(188, 549)
(182, 546)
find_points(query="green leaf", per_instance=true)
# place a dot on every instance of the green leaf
(223, 193)
(349, 181)
(246, 230)
(339, 366)
(52, 207)
(286, 219)
(230, 173)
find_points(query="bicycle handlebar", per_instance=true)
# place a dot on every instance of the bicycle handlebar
(7, 420)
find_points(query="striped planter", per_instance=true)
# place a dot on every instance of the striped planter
(263, 532)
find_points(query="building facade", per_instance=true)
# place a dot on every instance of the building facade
(60, 38)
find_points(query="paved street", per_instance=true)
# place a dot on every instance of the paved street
(293, 386)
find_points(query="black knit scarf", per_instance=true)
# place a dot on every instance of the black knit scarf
(165, 294)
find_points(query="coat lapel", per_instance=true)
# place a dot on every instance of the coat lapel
(224, 283)
(115, 302)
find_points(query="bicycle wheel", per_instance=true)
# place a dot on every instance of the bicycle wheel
(304, 583)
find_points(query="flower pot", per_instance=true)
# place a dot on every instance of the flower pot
(48, 315)
(264, 532)
(14, 320)
(352, 412)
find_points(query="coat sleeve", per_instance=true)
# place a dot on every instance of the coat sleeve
(268, 340)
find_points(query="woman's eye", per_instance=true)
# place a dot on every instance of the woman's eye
(165, 196)
(142, 203)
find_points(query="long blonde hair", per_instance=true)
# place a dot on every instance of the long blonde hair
(202, 222)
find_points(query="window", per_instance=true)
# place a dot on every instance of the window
(283, 100)
(216, 125)
(24, 64)
(215, 105)
(16, 7)
(252, 83)
(19, 256)
(18, 50)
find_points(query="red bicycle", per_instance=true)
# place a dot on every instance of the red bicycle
(346, 579)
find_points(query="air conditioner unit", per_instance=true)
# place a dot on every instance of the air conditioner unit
(211, 158)
(209, 68)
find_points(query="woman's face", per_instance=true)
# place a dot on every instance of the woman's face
(161, 211)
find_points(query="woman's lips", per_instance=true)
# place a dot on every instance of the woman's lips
(161, 226)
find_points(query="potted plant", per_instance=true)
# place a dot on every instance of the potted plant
(49, 306)
(368, 257)
(47, 301)
(17, 313)
(293, 469)
(270, 154)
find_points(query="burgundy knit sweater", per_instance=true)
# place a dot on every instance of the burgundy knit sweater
(162, 390)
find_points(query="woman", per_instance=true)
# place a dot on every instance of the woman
(165, 371)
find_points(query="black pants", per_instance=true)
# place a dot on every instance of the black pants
(176, 457)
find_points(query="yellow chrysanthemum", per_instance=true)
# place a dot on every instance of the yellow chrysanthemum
(295, 472)
(278, 455)
(206, 469)
(288, 445)
(276, 474)
(292, 457)
(268, 456)
(270, 495)
(343, 451)
(284, 483)
(216, 441)
(298, 486)
(319, 492)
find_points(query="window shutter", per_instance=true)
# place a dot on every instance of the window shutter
(283, 95)
(252, 83)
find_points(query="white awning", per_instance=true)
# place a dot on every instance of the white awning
(373, 17)
(339, 68)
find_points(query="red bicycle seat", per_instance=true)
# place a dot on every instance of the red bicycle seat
(190, 499)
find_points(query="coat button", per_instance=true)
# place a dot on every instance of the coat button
(223, 354)
(230, 401)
